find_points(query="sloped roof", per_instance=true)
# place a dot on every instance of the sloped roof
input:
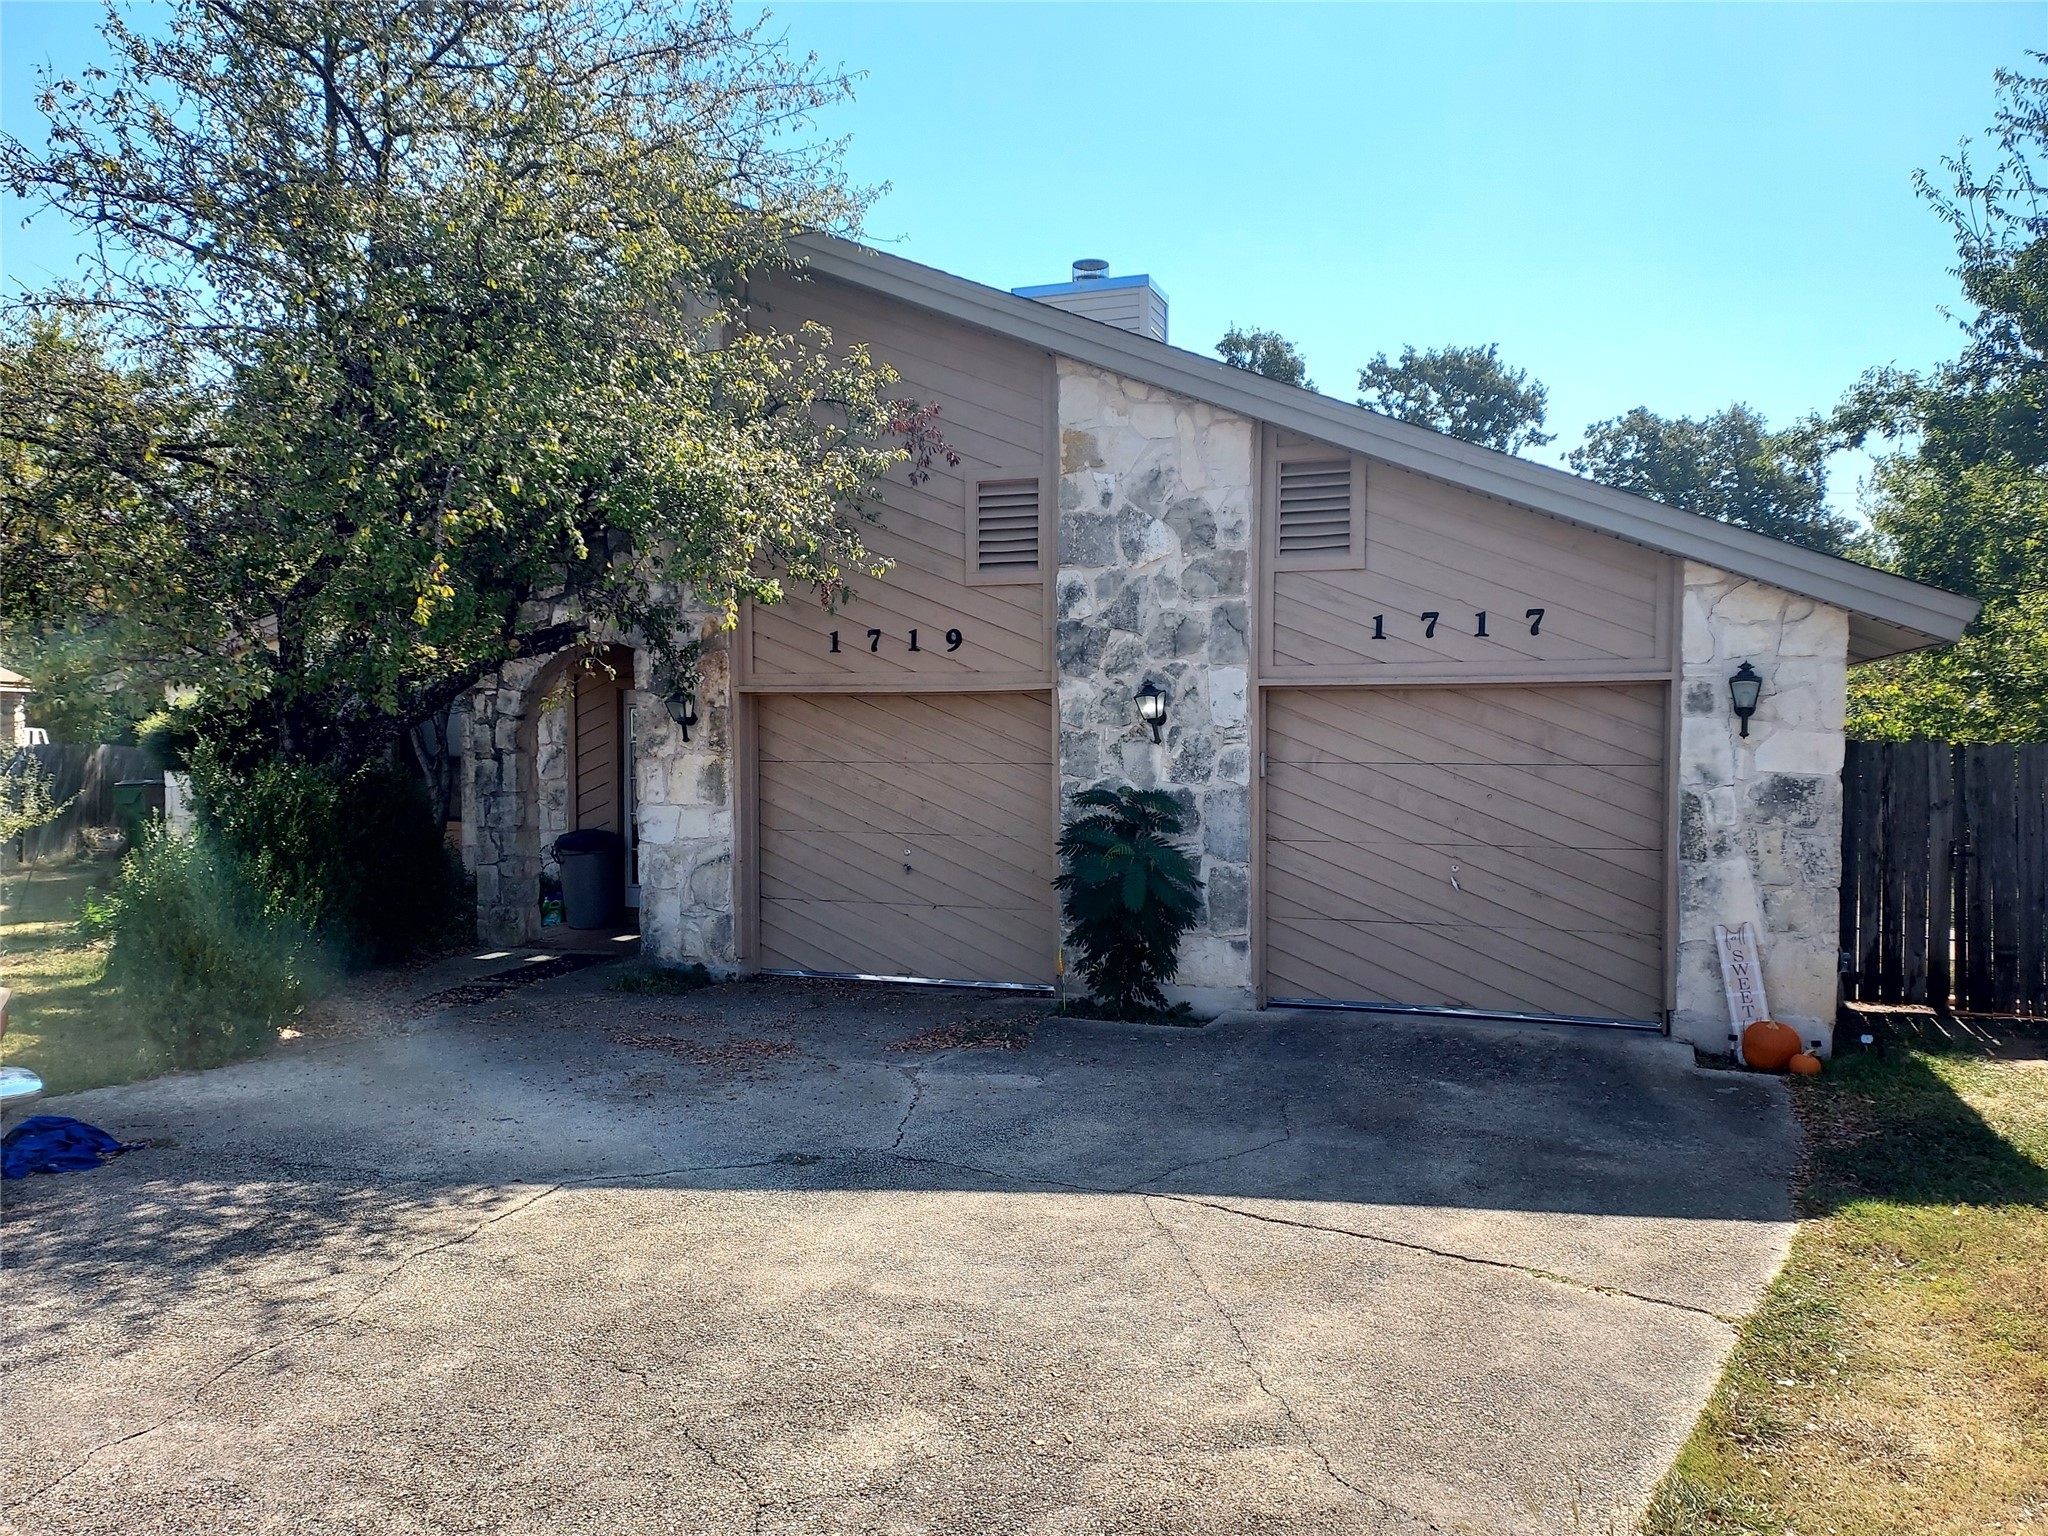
(1888, 614)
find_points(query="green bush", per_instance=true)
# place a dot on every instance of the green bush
(196, 963)
(357, 859)
(1129, 894)
(168, 736)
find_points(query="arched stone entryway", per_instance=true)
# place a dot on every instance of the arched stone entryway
(519, 798)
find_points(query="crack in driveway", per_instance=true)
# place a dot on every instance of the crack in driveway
(1250, 1360)
(1620, 1292)
(1449, 1254)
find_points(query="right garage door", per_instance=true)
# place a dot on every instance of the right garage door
(1486, 848)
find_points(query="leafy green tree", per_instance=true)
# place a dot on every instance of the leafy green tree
(414, 339)
(1962, 502)
(26, 798)
(1730, 467)
(1467, 392)
(89, 688)
(1265, 352)
(1129, 895)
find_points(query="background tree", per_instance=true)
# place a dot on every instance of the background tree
(1265, 352)
(1730, 467)
(414, 339)
(1963, 501)
(1467, 392)
(89, 687)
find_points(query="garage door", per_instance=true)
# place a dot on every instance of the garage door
(1485, 848)
(908, 835)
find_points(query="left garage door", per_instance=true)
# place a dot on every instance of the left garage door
(907, 835)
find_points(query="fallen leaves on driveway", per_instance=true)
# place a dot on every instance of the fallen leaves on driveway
(725, 1055)
(489, 988)
(1004, 1030)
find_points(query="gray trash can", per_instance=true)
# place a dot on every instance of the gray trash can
(593, 876)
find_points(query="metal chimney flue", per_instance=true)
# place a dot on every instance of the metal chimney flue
(1132, 302)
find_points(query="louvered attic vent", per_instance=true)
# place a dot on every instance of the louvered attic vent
(1315, 507)
(1006, 526)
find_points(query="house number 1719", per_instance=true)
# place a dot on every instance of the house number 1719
(954, 640)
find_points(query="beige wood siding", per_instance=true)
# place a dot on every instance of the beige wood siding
(1431, 548)
(995, 400)
(1545, 806)
(907, 835)
(595, 753)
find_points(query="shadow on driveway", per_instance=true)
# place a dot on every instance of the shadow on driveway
(1289, 1272)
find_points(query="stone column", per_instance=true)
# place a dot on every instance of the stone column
(1155, 564)
(1760, 818)
(684, 792)
(499, 824)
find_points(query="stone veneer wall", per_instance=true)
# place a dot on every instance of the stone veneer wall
(685, 796)
(500, 819)
(1155, 567)
(1760, 820)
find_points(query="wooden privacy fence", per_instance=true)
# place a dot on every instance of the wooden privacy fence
(89, 774)
(1945, 875)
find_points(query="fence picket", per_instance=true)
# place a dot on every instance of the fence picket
(1870, 830)
(2033, 835)
(1941, 873)
(1911, 810)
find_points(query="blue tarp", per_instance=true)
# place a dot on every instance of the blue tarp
(56, 1144)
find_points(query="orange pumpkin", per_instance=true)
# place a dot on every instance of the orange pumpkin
(1769, 1046)
(1805, 1065)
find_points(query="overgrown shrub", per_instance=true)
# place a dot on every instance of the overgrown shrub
(168, 736)
(357, 859)
(195, 961)
(1128, 894)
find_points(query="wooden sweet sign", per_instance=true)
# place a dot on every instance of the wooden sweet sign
(1742, 977)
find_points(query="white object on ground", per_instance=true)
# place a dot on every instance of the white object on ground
(1742, 977)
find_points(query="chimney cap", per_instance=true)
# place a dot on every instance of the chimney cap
(1089, 269)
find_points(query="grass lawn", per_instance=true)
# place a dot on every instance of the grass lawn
(1895, 1378)
(64, 1026)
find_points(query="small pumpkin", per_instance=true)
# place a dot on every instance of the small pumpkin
(1805, 1064)
(1769, 1046)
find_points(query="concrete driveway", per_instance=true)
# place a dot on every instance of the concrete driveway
(761, 1259)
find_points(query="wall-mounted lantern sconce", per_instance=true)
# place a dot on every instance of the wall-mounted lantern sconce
(1744, 689)
(1152, 707)
(681, 704)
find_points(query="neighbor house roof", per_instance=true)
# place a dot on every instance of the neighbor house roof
(1888, 614)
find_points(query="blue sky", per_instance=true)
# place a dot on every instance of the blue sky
(1673, 206)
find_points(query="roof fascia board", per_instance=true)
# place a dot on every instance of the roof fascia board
(1089, 285)
(1897, 602)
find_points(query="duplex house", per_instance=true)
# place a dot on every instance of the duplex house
(1455, 729)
